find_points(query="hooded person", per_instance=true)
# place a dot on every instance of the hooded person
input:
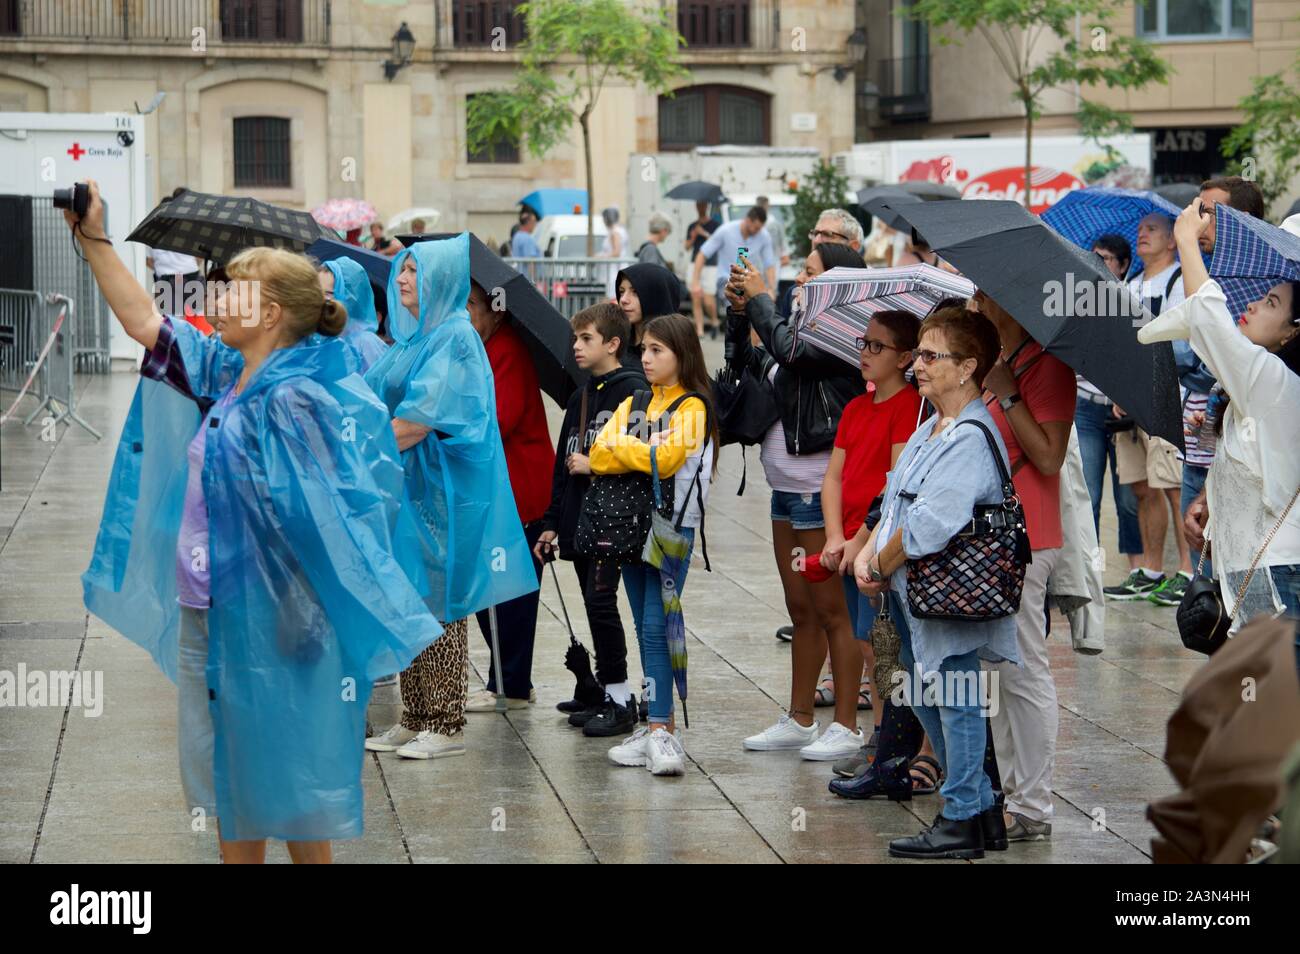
(347, 283)
(436, 382)
(251, 542)
(644, 292)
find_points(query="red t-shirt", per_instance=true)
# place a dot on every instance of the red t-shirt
(530, 453)
(1047, 388)
(867, 434)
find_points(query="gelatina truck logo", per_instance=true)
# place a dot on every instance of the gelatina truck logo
(1047, 186)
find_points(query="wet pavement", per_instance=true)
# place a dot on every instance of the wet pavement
(107, 788)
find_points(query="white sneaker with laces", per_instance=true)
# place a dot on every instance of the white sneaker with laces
(837, 742)
(786, 734)
(664, 754)
(391, 739)
(433, 745)
(633, 749)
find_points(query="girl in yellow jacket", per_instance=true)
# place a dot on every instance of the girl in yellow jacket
(685, 445)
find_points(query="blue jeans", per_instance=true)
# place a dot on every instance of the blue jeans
(1193, 484)
(957, 732)
(1287, 581)
(861, 613)
(1097, 448)
(645, 593)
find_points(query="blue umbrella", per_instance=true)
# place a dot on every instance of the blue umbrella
(1084, 215)
(377, 266)
(556, 202)
(1250, 257)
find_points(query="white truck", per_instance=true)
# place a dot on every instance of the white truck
(994, 168)
(41, 152)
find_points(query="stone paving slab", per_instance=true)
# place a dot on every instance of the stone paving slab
(530, 789)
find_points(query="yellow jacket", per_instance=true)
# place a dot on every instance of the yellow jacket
(617, 452)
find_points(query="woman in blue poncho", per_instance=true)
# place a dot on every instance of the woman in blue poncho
(437, 384)
(346, 282)
(252, 541)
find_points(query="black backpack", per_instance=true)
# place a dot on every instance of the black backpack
(615, 517)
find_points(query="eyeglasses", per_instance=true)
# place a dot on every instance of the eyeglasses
(816, 234)
(872, 345)
(927, 356)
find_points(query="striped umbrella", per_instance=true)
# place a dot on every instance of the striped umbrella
(343, 215)
(838, 304)
(1084, 215)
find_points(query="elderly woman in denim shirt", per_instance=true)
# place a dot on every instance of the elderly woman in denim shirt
(945, 470)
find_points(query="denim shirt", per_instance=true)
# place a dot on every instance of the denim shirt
(948, 475)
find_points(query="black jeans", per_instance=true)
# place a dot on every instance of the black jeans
(599, 581)
(516, 631)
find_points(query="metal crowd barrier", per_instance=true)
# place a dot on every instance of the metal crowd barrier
(38, 356)
(572, 284)
(57, 264)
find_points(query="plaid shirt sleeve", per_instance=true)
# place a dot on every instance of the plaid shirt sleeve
(163, 361)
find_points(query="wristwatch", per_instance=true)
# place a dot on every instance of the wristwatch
(1008, 402)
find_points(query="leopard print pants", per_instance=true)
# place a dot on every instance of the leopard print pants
(435, 684)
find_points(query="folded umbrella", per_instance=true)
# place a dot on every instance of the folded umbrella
(1250, 257)
(697, 191)
(545, 332)
(838, 304)
(1064, 297)
(1084, 215)
(344, 215)
(556, 202)
(668, 550)
(218, 227)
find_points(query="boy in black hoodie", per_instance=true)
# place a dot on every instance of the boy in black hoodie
(600, 334)
(644, 292)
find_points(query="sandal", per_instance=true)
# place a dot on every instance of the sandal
(925, 771)
(864, 696)
(825, 695)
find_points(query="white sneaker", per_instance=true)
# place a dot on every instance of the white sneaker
(391, 740)
(633, 750)
(484, 701)
(786, 734)
(664, 754)
(836, 743)
(433, 745)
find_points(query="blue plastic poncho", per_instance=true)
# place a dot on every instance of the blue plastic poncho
(304, 488)
(352, 290)
(436, 373)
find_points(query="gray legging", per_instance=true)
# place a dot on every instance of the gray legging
(194, 718)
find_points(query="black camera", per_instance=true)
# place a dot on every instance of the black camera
(76, 199)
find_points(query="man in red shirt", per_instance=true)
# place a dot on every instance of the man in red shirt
(529, 455)
(1031, 395)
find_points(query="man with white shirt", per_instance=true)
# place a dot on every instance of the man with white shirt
(1149, 465)
(743, 233)
(176, 277)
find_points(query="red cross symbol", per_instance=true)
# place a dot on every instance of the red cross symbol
(76, 152)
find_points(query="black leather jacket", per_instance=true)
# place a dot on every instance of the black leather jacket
(812, 387)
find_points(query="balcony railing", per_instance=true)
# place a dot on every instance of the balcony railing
(483, 22)
(299, 22)
(729, 24)
(905, 89)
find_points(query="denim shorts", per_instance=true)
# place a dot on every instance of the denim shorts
(801, 511)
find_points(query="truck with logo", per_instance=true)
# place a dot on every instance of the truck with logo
(994, 168)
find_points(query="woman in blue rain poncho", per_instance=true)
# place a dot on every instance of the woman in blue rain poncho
(256, 498)
(347, 283)
(437, 384)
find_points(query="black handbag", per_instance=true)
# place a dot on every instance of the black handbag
(1203, 620)
(746, 407)
(980, 573)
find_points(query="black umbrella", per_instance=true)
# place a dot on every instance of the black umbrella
(544, 330)
(1179, 193)
(697, 192)
(885, 208)
(217, 227)
(1064, 297)
(925, 191)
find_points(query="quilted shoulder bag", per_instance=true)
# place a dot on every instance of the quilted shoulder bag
(980, 573)
(1203, 620)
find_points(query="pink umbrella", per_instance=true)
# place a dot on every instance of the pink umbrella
(345, 214)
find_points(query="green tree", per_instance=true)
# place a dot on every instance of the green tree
(1090, 53)
(1270, 132)
(573, 48)
(824, 188)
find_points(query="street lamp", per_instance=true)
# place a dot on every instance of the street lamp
(403, 47)
(857, 47)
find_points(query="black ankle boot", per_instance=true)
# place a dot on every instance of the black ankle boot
(994, 824)
(890, 778)
(944, 839)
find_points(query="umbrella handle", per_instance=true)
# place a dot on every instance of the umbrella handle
(565, 609)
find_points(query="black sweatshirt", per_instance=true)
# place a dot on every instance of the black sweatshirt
(604, 395)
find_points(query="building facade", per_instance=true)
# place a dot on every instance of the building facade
(292, 101)
(914, 86)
